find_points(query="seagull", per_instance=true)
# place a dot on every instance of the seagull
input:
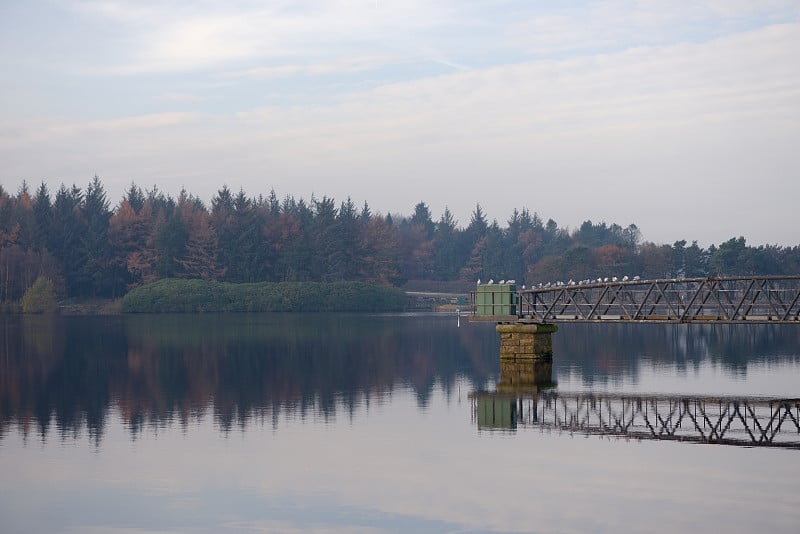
(491, 281)
(636, 278)
(625, 278)
(614, 279)
(605, 279)
(479, 281)
(502, 281)
(511, 281)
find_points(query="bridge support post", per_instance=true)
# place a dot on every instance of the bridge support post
(526, 355)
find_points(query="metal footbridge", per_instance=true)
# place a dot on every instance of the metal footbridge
(766, 299)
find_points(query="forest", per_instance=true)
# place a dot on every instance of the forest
(89, 249)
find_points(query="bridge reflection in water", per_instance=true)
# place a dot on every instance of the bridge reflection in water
(745, 421)
(526, 398)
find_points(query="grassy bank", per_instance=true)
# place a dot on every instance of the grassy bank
(174, 295)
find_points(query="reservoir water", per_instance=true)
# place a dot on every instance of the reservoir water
(369, 423)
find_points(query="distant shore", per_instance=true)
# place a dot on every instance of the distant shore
(91, 307)
(199, 296)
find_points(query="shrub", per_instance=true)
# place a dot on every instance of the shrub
(176, 295)
(40, 297)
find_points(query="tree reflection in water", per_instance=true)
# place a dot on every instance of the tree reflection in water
(158, 370)
(171, 369)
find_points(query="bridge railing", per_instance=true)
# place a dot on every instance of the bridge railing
(731, 299)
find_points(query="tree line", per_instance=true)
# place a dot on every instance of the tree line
(87, 249)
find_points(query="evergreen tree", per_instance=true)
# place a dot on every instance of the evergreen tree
(42, 211)
(66, 231)
(447, 259)
(222, 221)
(246, 258)
(96, 276)
(422, 217)
(169, 239)
(328, 261)
(135, 198)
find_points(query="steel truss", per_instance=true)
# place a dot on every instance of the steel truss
(768, 299)
(768, 422)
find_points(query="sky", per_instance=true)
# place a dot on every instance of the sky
(682, 117)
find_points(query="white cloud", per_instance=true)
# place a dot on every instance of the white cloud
(152, 121)
(349, 65)
(181, 97)
(618, 24)
(179, 36)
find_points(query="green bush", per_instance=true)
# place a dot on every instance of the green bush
(177, 295)
(40, 297)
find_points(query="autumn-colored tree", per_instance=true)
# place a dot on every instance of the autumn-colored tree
(201, 257)
(546, 270)
(129, 232)
(416, 251)
(473, 270)
(610, 257)
(378, 263)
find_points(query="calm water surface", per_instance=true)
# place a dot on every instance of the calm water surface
(353, 423)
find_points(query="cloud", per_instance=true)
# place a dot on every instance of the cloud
(125, 124)
(612, 25)
(349, 65)
(181, 97)
(681, 84)
(181, 36)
